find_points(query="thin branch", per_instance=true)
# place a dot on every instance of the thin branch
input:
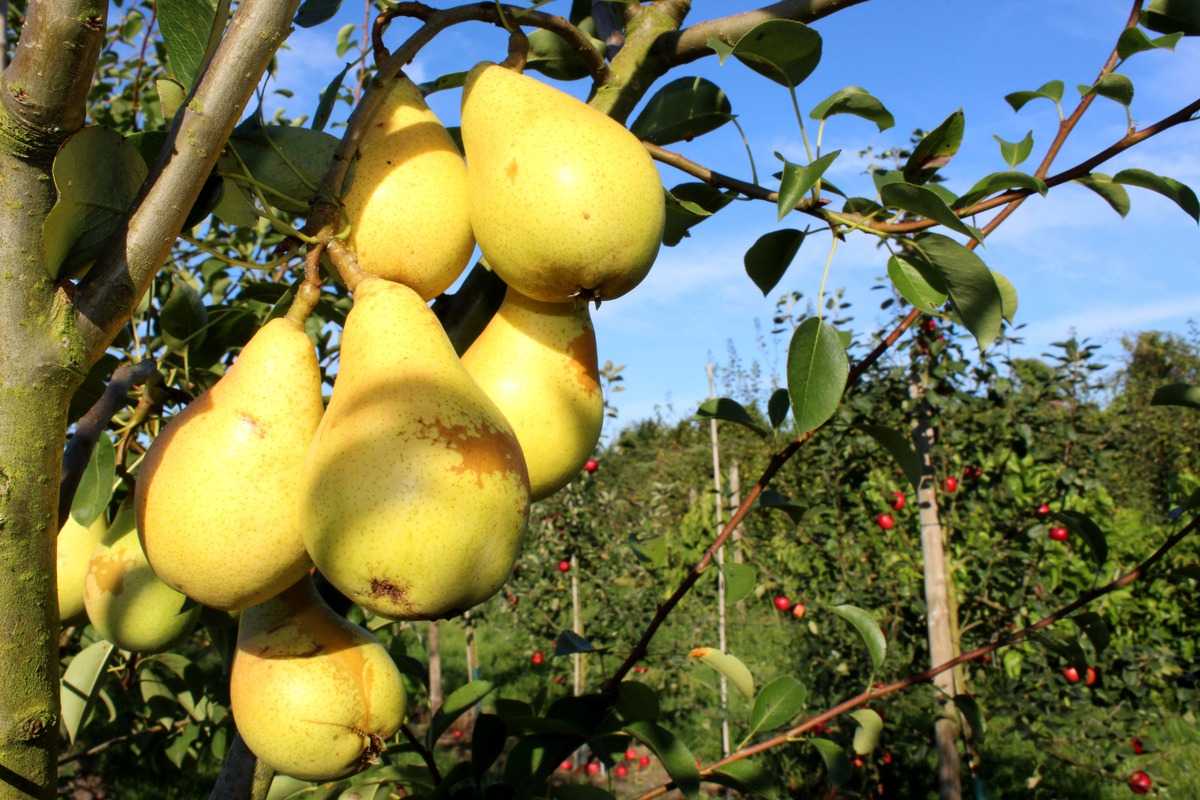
(880, 691)
(423, 751)
(692, 43)
(201, 128)
(773, 466)
(92, 424)
(242, 776)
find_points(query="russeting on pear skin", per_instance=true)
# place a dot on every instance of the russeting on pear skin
(218, 493)
(415, 491)
(537, 362)
(407, 199)
(74, 548)
(128, 604)
(313, 695)
(564, 200)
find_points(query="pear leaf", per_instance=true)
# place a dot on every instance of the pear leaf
(728, 665)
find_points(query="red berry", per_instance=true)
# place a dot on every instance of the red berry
(857, 762)
(639, 669)
(593, 767)
(1043, 511)
(1140, 783)
(591, 465)
(972, 473)
(898, 500)
(566, 766)
(1071, 674)
(782, 603)
(887, 758)
(930, 325)
(798, 611)
(1058, 534)
(456, 733)
(538, 658)
(630, 754)
(1138, 747)
(885, 521)
(620, 770)
(643, 762)
(1089, 676)
(950, 485)
(564, 566)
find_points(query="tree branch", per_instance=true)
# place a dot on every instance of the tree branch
(92, 424)
(692, 43)
(423, 751)
(202, 127)
(242, 776)
(880, 691)
(43, 90)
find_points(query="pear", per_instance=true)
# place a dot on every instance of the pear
(74, 549)
(537, 363)
(564, 200)
(127, 603)
(312, 695)
(218, 491)
(407, 199)
(415, 491)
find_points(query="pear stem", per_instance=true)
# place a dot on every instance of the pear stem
(518, 51)
(305, 301)
(346, 263)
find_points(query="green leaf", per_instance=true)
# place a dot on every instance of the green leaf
(1008, 296)
(1014, 153)
(1001, 181)
(870, 725)
(234, 206)
(637, 702)
(969, 283)
(921, 201)
(836, 763)
(1170, 188)
(935, 149)
(652, 551)
(868, 629)
(314, 12)
(289, 160)
(777, 704)
(740, 580)
(1134, 41)
(915, 286)
(97, 175)
(1112, 193)
(1114, 86)
(682, 110)
(730, 411)
(80, 682)
(1093, 626)
(768, 258)
(689, 204)
(487, 741)
(798, 179)
(676, 758)
(1171, 16)
(455, 706)
(778, 406)
(345, 39)
(1177, 394)
(773, 499)
(570, 642)
(96, 484)
(1082, 525)
(328, 99)
(171, 96)
(817, 369)
(901, 449)
(857, 101)
(186, 27)
(1051, 90)
(747, 776)
(783, 50)
(551, 55)
(969, 708)
(728, 665)
(183, 316)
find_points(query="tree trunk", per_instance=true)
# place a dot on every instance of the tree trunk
(718, 516)
(577, 662)
(939, 611)
(435, 668)
(735, 500)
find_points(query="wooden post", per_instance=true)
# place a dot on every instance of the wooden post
(719, 513)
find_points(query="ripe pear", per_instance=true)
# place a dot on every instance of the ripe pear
(407, 199)
(74, 551)
(218, 491)
(312, 695)
(537, 362)
(415, 491)
(564, 200)
(127, 603)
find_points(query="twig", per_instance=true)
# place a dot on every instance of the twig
(423, 751)
(880, 691)
(137, 76)
(92, 424)
(241, 776)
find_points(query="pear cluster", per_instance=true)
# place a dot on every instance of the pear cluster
(410, 491)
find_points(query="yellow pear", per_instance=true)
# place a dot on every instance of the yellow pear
(218, 491)
(312, 695)
(74, 551)
(415, 491)
(537, 362)
(564, 200)
(407, 199)
(127, 603)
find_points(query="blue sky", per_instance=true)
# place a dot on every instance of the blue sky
(1077, 266)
